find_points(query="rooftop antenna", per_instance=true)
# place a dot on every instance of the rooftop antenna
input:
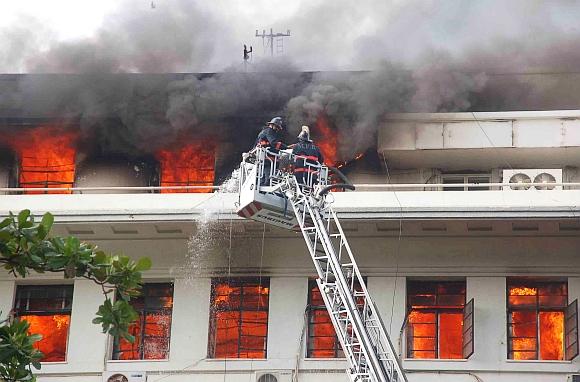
(247, 56)
(268, 39)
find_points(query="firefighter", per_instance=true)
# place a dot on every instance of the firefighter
(308, 158)
(269, 138)
(270, 135)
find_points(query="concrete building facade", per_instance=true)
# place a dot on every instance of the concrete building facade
(441, 211)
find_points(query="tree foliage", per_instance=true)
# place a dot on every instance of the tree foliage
(25, 247)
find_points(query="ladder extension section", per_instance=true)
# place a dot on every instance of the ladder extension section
(361, 332)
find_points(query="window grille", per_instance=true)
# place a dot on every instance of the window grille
(437, 320)
(152, 330)
(322, 339)
(239, 318)
(539, 318)
(48, 310)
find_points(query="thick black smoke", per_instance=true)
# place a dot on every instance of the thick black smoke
(412, 56)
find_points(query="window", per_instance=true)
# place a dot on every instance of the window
(48, 310)
(466, 178)
(152, 330)
(239, 318)
(439, 323)
(539, 318)
(322, 339)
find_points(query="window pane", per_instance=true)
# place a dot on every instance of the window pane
(54, 331)
(453, 180)
(552, 335)
(239, 318)
(523, 333)
(153, 329)
(47, 308)
(450, 335)
(478, 180)
(423, 330)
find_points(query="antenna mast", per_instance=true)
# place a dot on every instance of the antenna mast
(268, 39)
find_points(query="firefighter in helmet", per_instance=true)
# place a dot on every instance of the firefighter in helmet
(308, 158)
(269, 137)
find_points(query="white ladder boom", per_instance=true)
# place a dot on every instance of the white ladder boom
(268, 190)
(360, 330)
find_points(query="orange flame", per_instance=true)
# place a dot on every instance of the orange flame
(47, 157)
(54, 331)
(552, 335)
(523, 291)
(192, 164)
(327, 140)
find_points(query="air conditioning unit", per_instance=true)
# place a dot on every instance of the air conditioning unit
(520, 179)
(273, 376)
(573, 378)
(124, 376)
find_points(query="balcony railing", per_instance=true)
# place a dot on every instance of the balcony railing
(393, 187)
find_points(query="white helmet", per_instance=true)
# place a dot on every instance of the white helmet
(304, 134)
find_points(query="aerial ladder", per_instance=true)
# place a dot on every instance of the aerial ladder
(270, 193)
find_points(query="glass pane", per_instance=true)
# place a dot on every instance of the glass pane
(453, 180)
(422, 329)
(450, 335)
(226, 334)
(54, 331)
(478, 180)
(523, 333)
(552, 335)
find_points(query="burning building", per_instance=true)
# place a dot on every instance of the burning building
(474, 271)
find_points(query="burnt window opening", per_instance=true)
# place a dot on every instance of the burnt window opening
(47, 309)
(322, 339)
(540, 323)
(239, 318)
(152, 330)
(439, 322)
(116, 170)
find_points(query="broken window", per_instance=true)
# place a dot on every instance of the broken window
(322, 339)
(48, 310)
(152, 330)
(436, 320)
(536, 317)
(239, 318)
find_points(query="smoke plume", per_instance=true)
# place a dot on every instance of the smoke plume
(372, 59)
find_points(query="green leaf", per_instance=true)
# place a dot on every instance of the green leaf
(22, 217)
(143, 264)
(47, 221)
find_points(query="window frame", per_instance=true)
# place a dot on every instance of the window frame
(143, 322)
(466, 177)
(339, 354)
(537, 309)
(262, 282)
(66, 308)
(437, 310)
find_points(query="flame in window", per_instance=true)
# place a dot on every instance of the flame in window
(47, 157)
(54, 331)
(523, 291)
(191, 164)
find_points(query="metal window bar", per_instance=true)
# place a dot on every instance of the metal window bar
(242, 283)
(536, 309)
(144, 312)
